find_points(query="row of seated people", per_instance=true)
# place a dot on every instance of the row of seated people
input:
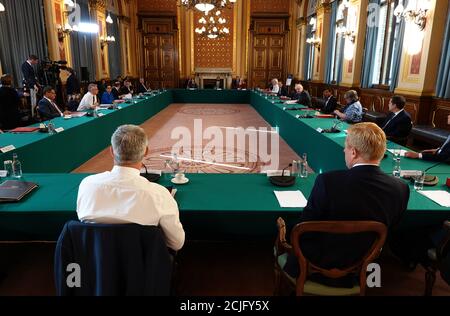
(397, 125)
(236, 84)
(122, 196)
(48, 109)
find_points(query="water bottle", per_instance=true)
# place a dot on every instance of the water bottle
(95, 112)
(304, 166)
(51, 128)
(396, 168)
(16, 167)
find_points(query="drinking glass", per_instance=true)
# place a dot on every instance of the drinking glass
(295, 168)
(8, 167)
(419, 179)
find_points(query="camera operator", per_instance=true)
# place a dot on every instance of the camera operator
(30, 81)
(49, 75)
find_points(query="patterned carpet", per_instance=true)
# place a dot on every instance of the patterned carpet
(208, 133)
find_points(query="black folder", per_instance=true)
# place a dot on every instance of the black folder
(14, 190)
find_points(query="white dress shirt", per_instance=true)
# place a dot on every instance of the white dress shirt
(87, 102)
(122, 196)
(275, 89)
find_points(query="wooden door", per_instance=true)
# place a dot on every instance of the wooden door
(267, 56)
(160, 53)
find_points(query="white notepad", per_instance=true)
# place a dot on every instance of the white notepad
(440, 197)
(291, 198)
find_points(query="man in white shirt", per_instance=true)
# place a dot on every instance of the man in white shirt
(275, 86)
(90, 100)
(122, 196)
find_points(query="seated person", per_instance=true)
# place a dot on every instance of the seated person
(122, 196)
(108, 97)
(275, 86)
(90, 100)
(9, 104)
(47, 107)
(236, 83)
(362, 193)
(191, 84)
(301, 96)
(242, 85)
(116, 91)
(330, 104)
(398, 123)
(353, 111)
(441, 154)
(283, 90)
(142, 88)
(127, 89)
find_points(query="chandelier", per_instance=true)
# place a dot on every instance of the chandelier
(207, 5)
(212, 26)
(415, 12)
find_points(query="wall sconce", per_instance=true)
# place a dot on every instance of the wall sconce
(416, 12)
(109, 19)
(106, 40)
(63, 31)
(2, 7)
(315, 41)
(346, 34)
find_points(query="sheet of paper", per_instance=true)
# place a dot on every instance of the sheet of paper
(291, 198)
(402, 152)
(440, 197)
(291, 102)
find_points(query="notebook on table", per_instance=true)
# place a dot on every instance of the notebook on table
(14, 190)
(24, 130)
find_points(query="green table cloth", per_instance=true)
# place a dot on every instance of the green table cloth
(212, 206)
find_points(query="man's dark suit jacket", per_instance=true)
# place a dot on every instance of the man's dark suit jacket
(363, 193)
(329, 105)
(397, 127)
(442, 155)
(283, 91)
(72, 85)
(46, 110)
(125, 90)
(141, 88)
(9, 108)
(302, 98)
(115, 92)
(29, 75)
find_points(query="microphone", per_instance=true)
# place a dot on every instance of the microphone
(437, 164)
(282, 173)
(336, 124)
(283, 181)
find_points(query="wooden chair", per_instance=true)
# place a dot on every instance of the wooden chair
(304, 286)
(437, 262)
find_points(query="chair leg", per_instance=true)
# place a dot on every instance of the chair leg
(430, 279)
(277, 281)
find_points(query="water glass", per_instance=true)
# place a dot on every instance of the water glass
(295, 168)
(8, 168)
(396, 170)
(418, 181)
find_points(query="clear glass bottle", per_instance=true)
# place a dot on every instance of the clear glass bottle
(304, 166)
(16, 167)
(51, 128)
(396, 170)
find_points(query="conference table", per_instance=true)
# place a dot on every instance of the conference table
(212, 206)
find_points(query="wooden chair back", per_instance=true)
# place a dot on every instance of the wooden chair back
(338, 227)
